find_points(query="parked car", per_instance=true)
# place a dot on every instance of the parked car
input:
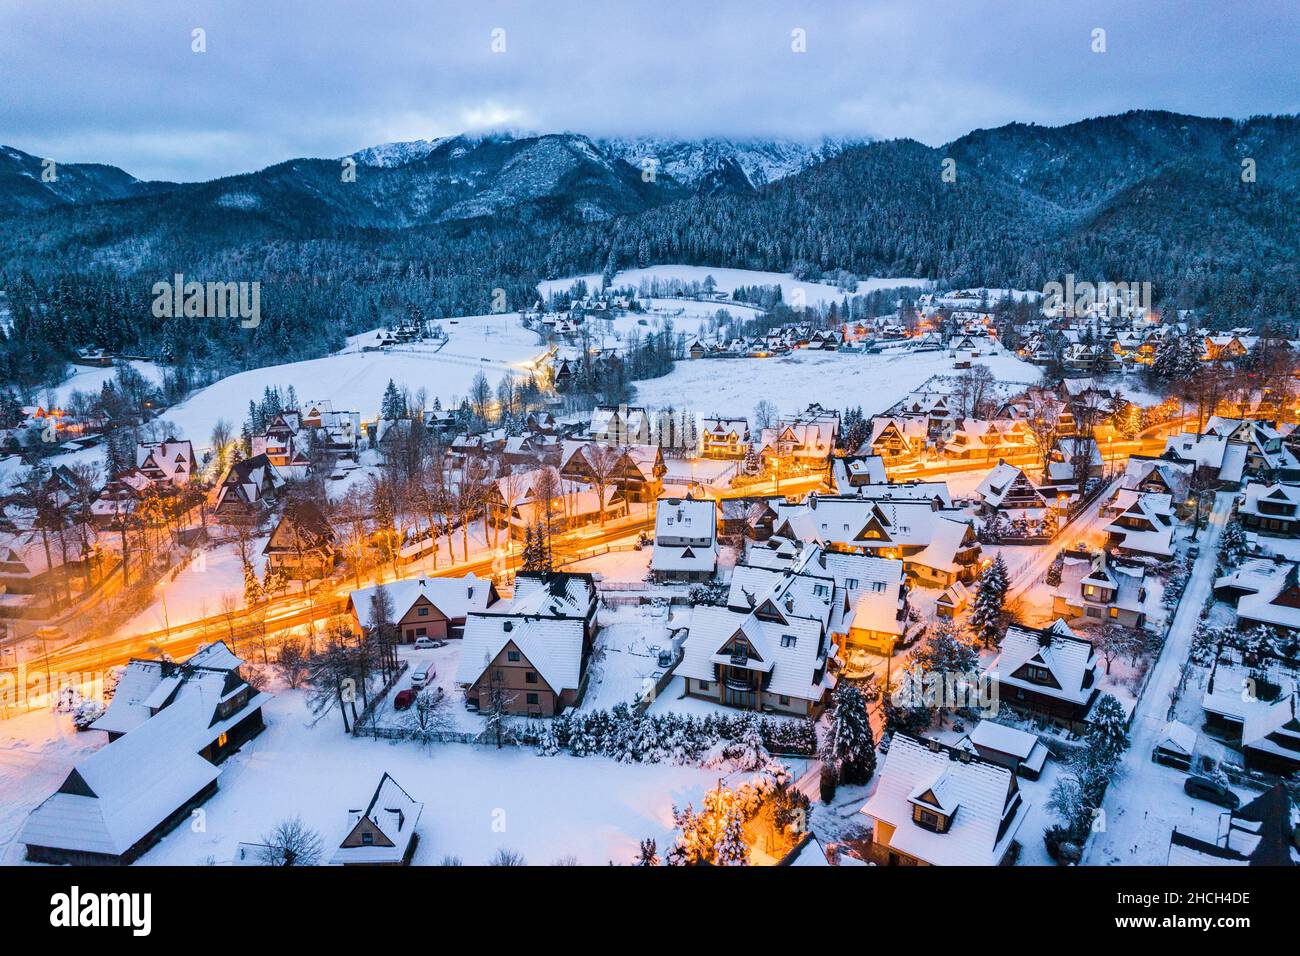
(1194, 552)
(1204, 788)
(426, 643)
(421, 677)
(404, 699)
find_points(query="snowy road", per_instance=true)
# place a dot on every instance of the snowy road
(1026, 575)
(1139, 815)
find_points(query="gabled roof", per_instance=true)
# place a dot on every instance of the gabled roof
(1069, 659)
(395, 814)
(454, 597)
(985, 806)
(552, 645)
(119, 793)
(791, 651)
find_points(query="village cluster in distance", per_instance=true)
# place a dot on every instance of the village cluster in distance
(675, 566)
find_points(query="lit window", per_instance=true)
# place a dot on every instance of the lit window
(221, 740)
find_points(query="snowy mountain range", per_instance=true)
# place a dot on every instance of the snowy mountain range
(697, 163)
(27, 184)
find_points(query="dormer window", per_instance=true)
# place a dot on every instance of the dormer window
(928, 819)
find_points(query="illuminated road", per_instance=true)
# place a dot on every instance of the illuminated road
(273, 619)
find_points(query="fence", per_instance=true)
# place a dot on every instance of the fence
(377, 698)
(430, 736)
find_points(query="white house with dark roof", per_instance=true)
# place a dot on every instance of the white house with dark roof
(936, 805)
(686, 539)
(383, 833)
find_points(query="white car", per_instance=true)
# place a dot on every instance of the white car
(422, 677)
(426, 643)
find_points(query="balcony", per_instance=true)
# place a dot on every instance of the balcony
(744, 684)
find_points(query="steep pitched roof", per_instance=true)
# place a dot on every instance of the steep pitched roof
(985, 807)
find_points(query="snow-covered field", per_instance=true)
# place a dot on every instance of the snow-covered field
(814, 293)
(476, 799)
(37, 750)
(197, 591)
(835, 379)
(355, 380)
(90, 380)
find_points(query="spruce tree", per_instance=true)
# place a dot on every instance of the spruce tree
(851, 745)
(731, 849)
(986, 616)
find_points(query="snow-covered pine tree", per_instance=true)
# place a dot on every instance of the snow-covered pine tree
(731, 848)
(1232, 544)
(1107, 732)
(392, 407)
(252, 587)
(987, 610)
(1053, 578)
(851, 745)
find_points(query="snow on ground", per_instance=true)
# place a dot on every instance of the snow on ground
(626, 655)
(618, 567)
(476, 799)
(37, 749)
(728, 280)
(835, 379)
(1145, 800)
(355, 380)
(91, 379)
(197, 591)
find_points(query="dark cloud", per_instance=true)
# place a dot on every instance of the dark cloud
(117, 82)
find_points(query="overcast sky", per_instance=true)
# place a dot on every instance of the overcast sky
(117, 82)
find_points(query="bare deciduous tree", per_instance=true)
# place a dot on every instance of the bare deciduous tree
(292, 843)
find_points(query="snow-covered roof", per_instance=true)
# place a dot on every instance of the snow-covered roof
(118, 794)
(1279, 492)
(789, 648)
(552, 645)
(395, 814)
(555, 594)
(454, 597)
(986, 806)
(1069, 659)
(1177, 737)
(666, 557)
(1004, 739)
(692, 518)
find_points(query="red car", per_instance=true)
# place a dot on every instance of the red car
(404, 699)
